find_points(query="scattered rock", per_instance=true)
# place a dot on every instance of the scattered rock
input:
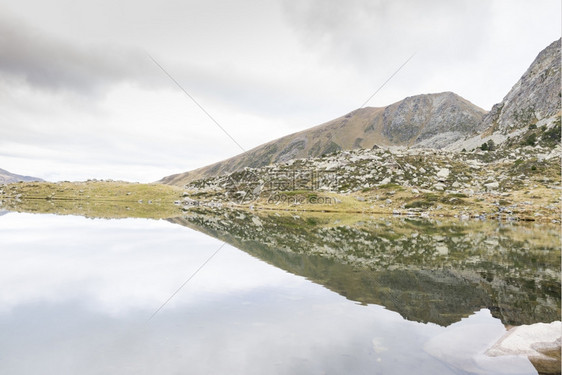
(492, 185)
(439, 186)
(443, 173)
(256, 220)
(385, 181)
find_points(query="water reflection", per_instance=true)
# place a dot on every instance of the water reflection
(427, 271)
(76, 295)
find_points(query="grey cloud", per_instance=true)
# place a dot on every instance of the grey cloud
(365, 33)
(55, 65)
(258, 95)
(52, 64)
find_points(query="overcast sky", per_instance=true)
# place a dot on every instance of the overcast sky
(80, 97)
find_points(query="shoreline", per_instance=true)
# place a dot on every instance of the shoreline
(157, 200)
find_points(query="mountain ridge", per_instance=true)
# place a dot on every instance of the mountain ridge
(532, 102)
(413, 120)
(529, 113)
(8, 177)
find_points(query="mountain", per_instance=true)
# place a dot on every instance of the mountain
(530, 112)
(429, 120)
(8, 178)
(529, 115)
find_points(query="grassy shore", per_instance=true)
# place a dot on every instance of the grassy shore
(104, 199)
(534, 204)
(113, 199)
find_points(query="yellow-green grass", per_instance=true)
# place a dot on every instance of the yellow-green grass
(107, 199)
(111, 199)
(537, 204)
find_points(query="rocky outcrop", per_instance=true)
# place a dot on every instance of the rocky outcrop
(540, 342)
(8, 178)
(424, 119)
(430, 120)
(462, 176)
(534, 98)
(532, 106)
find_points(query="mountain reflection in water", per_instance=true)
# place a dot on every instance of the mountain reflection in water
(428, 271)
(78, 295)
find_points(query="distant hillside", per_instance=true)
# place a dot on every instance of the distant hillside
(8, 178)
(530, 113)
(430, 120)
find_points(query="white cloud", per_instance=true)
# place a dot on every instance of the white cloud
(80, 97)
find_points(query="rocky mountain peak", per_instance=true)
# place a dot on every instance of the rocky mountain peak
(528, 115)
(430, 120)
(534, 98)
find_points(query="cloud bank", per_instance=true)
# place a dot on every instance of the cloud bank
(80, 98)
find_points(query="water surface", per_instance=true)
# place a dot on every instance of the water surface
(78, 296)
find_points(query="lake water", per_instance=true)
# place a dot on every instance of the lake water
(136, 296)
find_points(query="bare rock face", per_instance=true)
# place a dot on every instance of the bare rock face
(535, 97)
(420, 118)
(529, 114)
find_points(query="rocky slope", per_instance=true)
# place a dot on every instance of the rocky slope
(8, 178)
(527, 116)
(522, 183)
(529, 110)
(429, 120)
(432, 120)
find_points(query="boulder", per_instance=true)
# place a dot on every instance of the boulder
(492, 185)
(385, 181)
(439, 186)
(443, 173)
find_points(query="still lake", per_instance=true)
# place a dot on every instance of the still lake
(138, 296)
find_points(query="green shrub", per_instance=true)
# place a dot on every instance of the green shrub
(430, 197)
(391, 186)
(419, 204)
(458, 195)
(552, 136)
(530, 140)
